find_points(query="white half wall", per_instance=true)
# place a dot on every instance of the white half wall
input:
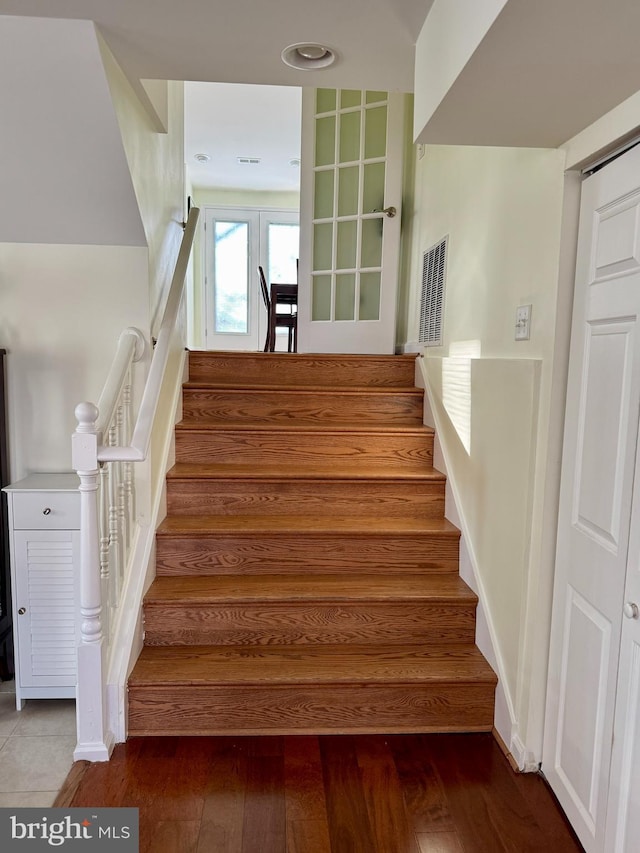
(485, 414)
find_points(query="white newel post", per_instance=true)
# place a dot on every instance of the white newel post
(94, 741)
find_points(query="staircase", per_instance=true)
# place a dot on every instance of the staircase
(307, 580)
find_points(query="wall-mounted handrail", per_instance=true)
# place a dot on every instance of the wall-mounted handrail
(103, 446)
(138, 449)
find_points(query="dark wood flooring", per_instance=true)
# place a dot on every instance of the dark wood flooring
(329, 794)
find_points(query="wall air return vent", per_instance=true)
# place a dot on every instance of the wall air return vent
(432, 295)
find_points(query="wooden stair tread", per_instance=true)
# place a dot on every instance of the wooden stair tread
(293, 429)
(433, 587)
(262, 524)
(240, 387)
(303, 470)
(184, 666)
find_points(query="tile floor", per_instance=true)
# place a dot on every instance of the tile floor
(36, 748)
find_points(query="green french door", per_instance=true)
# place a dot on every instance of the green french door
(352, 143)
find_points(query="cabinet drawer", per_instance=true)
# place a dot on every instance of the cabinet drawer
(30, 510)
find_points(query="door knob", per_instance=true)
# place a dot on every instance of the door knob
(22, 611)
(630, 610)
(388, 211)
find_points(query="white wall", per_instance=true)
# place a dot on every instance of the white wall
(502, 211)
(247, 198)
(62, 309)
(451, 32)
(156, 163)
(63, 171)
(615, 127)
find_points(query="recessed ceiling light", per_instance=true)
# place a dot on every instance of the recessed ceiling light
(202, 158)
(308, 56)
(295, 161)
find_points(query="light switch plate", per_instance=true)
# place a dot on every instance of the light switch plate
(523, 322)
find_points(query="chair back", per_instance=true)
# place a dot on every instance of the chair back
(263, 287)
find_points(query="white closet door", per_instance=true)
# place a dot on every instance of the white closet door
(601, 430)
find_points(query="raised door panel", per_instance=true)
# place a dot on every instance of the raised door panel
(585, 670)
(623, 821)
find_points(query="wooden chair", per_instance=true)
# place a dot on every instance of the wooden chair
(275, 319)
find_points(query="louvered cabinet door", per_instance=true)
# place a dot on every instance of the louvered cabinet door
(47, 611)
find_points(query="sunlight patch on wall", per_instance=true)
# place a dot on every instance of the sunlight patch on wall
(456, 387)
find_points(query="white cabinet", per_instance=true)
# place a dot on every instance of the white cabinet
(44, 537)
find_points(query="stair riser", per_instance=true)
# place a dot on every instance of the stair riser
(401, 452)
(310, 407)
(302, 624)
(290, 554)
(309, 370)
(317, 498)
(333, 709)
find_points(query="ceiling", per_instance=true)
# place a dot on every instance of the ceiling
(231, 120)
(241, 41)
(544, 71)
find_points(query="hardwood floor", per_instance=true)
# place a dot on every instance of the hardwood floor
(327, 794)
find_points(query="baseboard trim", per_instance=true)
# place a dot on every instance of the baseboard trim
(523, 756)
(410, 348)
(505, 750)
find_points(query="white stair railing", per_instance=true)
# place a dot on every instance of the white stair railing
(104, 448)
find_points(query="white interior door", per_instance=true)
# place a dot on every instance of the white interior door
(352, 158)
(595, 521)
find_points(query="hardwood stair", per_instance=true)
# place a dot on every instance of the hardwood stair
(307, 580)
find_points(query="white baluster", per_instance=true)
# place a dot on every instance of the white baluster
(94, 742)
(114, 527)
(103, 492)
(129, 490)
(122, 511)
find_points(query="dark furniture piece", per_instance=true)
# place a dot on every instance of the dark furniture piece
(6, 632)
(280, 294)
